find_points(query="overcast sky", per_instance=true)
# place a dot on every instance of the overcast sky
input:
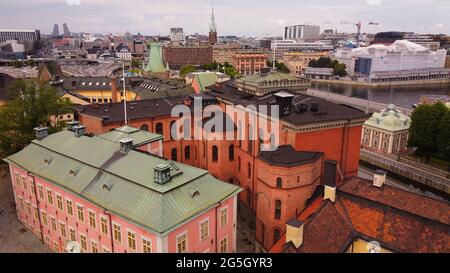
(235, 17)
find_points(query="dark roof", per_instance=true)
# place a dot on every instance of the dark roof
(287, 156)
(327, 110)
(113, 112)
(401, 221)
(154, 88)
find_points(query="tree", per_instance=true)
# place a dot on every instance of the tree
(280, 66)
(187, 69)
(135, 63)
(29, 106)
(424, 129)
(443, 141)
(325, 62)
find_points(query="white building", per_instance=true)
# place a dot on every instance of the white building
(19, 35)
(177, 35)
(283, 46)
(124, 54)
(302, 32)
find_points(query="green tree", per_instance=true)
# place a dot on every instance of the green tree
(280, 66)
(211, 66)
(187, 69)
(135, 63)
(29, 105)
(424, 129)
(443, 141)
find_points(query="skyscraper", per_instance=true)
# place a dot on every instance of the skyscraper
(55, 32)
(212, 28)
(66, 30)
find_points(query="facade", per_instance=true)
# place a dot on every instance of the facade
(224, 52)
(297, 62)
(284, 46)
(302, 32)
(201, 80)
(179, 56)
(249, 62)
(66, 195)
(19, 35)
(177, 35)
(319, 73)
(386, 132)
(362, 216)
(301, 133)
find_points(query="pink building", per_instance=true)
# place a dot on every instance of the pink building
(109, 194)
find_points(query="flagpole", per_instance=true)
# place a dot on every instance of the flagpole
(124, 94)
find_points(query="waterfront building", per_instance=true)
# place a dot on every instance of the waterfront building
(363, 216)
(297, 62)
(302, 32)
(249, 62)
(19, 35)
(386, 132)
(283, 46)
(110, 194)
(319, 73)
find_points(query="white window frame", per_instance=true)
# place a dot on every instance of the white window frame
(135, 240)
(200, 229)
(89, 219)
(84, 213)
(73, 211)
(113, 232)
(148, 240)
(187, 241)
(220, 216)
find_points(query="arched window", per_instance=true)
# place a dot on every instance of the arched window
(174, 154)
(187, 152)
(276, 235)
(277, 210)
(279, 183)
(159, 128)
(173, 129)
(231, 152)
(215, 153)
(144, 127)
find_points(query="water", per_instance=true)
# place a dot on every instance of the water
(400, 96)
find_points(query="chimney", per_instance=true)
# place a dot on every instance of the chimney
(72, 124)
(114, 90)
(162, 173)
(79, 130)
(379, 177)
(41, 132)
(330, 180)
(126, 144)
(284, 101)
(294, 232)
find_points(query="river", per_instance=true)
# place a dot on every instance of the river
(400, 96)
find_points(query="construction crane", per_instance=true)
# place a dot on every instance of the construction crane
(358, 33)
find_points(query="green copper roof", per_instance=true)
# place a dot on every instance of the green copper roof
(123, 183)
(272, 76)
(155, 63)
(390, 119)
(205, 79)
(139, 137)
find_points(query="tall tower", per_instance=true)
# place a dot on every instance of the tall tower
(55, 32)
(66, 31)
(212, 28)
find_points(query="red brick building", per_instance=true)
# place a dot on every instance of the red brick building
(276, 184)
(249, 62)
(181, 55)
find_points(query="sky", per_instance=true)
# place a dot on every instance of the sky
(256, 18)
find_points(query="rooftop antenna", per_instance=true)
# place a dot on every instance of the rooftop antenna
(124, 94)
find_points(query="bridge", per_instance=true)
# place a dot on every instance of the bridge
(361, 104)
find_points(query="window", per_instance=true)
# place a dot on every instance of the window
(249, 170)
(73, 236)
(92, 220)
(277, 209)
(117, 233)
(174, 154)
(55, 246)
(50, 196)
(239, 164)
(17, 179)
(32, 187)
(224, 217)
(69, 207)
(53, 222)
(104, 225)
(159, 128)
(276, 235)
(28, 206)
(146, 246)
(279, 183)
(187, 153)
(215, 153)
(182, 243)
(44, 218)
(94, 247)
(231, 153)
(80, 212)
(62, 227)
(172, 127)
(24, 183)
(131, 240)
(144, 127)
(41, 192)
(36, 213)
(249, 196)
(59, 202)
(204, 230)
(223, 245)
(83, 242)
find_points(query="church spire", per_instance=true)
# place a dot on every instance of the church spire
(212, 24)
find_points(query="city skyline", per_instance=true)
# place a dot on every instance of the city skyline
(232, 17)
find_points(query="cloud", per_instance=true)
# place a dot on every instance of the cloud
(373, 2)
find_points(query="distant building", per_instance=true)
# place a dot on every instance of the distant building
(201, 80)
(224, 52)
(319, 73)
(386, 132)
(212, 29)
(297, 62)
(249, 62)
(177, 35)
(8, 75)
(284, 46)
(55, 32)
(124, 54)
(19, 35)
(178, 56)
(12, 50)
(302, 32)
(66, 32)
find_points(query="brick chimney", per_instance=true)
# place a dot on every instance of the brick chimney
(114, 91)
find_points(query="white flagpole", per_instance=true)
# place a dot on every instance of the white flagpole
(124, 94)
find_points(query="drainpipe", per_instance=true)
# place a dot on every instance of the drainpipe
(344, 140)
(37, 205)
(106, 212)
